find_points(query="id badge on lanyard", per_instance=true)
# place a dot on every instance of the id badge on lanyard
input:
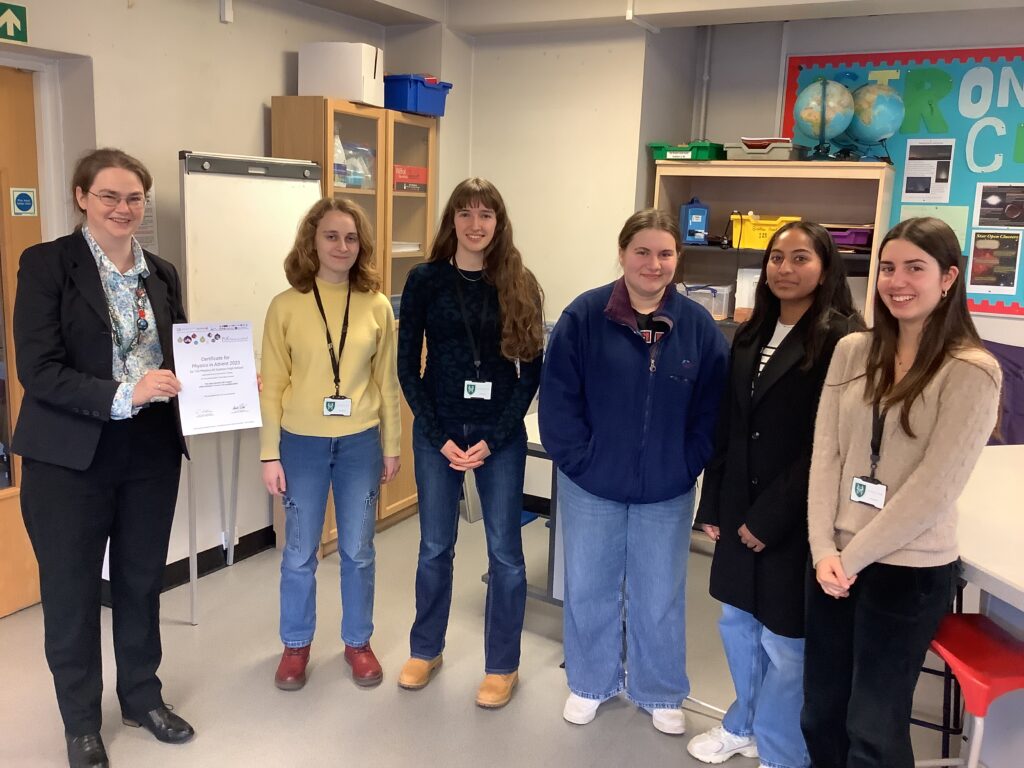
(336, 404)
(868, 490)
(476, 388)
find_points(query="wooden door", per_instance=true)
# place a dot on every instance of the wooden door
(19, 574)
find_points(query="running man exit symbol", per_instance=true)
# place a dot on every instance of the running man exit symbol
(13, 23)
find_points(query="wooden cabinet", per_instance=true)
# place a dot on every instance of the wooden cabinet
(831, 192)
(305, 127)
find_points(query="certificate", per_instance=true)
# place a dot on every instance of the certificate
(217, 369)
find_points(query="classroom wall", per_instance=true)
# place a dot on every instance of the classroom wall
(745, 88)
(556, 126)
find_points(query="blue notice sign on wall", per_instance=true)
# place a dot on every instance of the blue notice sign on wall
(23, 202)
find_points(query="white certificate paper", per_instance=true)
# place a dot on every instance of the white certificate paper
(217, 369)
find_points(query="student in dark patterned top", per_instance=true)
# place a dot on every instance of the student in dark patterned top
(480, 311)
(754, 497)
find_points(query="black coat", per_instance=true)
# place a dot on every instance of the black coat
(759, 474)
(63, 348)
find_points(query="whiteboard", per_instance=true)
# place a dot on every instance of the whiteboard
(239, 216)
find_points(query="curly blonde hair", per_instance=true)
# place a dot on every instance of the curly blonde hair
(302, 263)
(519, 294)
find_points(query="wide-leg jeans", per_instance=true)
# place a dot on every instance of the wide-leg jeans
(862, 660)
(767, 671)
(625, 561)
(500, 484)
(312, 466)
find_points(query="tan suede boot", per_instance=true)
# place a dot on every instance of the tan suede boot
(417, 672)
(496, 690)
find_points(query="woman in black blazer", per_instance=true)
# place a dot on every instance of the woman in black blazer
(102, 446)
(754, 498)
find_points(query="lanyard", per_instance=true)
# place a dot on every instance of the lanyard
(335, 359)
(474, 343)
(877, 424)
(124, 348)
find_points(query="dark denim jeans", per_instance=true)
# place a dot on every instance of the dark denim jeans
(862, 658)
(500, 483)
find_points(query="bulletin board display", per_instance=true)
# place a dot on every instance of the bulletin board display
(958, 154)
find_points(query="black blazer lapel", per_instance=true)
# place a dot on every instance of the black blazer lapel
(790, 353)
(745, 360)
(86, 277)
(156, 288)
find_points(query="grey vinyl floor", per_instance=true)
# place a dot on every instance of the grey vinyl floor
(219, 675)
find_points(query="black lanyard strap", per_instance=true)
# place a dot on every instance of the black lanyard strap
(877, 425)
(474, 343)
(335, 358)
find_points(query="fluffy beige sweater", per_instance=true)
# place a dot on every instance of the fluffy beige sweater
(952, 421)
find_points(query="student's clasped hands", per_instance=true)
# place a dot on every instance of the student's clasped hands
(832, 577)
(471, 458)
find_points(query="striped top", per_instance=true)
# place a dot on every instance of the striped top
(781, 331)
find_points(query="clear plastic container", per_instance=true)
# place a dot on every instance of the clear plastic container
(716, 299)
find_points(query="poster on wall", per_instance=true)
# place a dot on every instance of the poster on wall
(959, 145)
(994, 261)
(927, 170)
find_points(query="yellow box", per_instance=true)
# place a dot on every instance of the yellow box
(752, 231)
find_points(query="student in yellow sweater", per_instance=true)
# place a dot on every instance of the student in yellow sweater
(906, 409)
(330, 417)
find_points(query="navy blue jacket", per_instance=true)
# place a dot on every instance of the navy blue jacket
(624, 420)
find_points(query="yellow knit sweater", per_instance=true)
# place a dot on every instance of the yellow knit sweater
(952, 421)
(297, 373)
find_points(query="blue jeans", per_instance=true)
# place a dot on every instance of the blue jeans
(768, 673)
(625, 562)
(500, 483)
(352, 465)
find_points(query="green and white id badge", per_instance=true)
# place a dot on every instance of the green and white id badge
(867, 491)
(337, 406)
(476, 390)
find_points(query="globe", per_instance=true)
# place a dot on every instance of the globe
(877, 114)
(838, 110)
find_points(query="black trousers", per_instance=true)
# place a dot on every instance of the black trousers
(862, 658)
(127, 495)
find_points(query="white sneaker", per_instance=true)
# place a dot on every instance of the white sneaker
(718, 745)
(580, 711)
(669, 721)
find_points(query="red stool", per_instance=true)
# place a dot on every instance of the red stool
(987, 662)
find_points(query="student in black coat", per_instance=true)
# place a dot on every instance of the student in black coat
(754, 497)
(102, 447)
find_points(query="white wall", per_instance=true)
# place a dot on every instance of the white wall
(556, 126)
(745, 88)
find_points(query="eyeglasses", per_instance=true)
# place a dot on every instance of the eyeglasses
(111, 200)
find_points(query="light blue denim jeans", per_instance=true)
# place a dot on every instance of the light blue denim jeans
(312, 465)
(767, 670)
(625, 562)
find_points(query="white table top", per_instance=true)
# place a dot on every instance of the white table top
(991, 529)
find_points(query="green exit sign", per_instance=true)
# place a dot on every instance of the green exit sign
(13, 23)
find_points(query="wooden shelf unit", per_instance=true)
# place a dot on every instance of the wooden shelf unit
(304, 127)
(846, 192)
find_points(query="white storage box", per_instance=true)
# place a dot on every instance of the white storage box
(352, 71)
(716, 299)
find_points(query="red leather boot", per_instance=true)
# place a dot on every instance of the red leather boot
(291, 672)
(366, 669)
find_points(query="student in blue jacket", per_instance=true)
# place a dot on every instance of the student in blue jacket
(629, 398)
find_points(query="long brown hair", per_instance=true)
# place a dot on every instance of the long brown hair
(519, 294)
(947, 330)
(302, 263)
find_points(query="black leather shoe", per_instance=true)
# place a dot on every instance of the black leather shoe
(86, 751)
(164, 724)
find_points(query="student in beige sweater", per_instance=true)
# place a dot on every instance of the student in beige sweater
(882, 498)
(330, 418)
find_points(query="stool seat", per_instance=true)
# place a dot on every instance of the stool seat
(986, 659)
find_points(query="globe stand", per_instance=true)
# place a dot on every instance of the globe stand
(823, 149)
